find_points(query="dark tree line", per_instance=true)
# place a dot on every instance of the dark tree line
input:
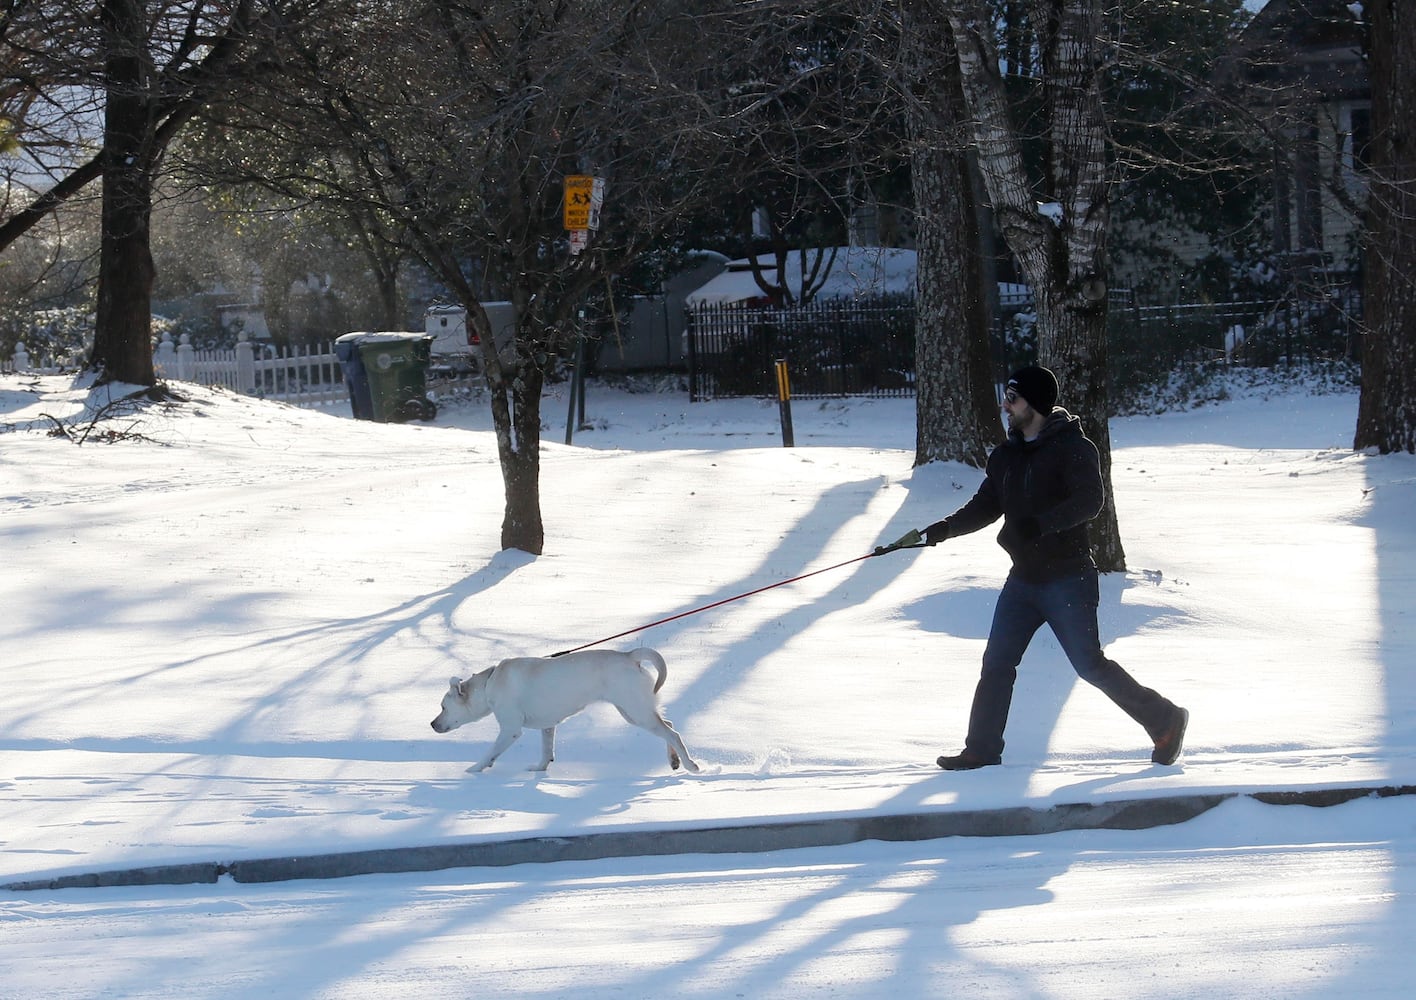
(445, 130)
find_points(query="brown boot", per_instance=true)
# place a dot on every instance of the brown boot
(1169, 744)
(966, 761)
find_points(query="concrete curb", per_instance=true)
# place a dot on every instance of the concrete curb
(1125, 814)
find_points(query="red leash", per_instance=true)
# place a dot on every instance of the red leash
(902, 544)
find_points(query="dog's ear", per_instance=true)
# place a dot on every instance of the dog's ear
(455, 683)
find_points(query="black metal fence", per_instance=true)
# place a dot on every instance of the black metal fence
(832, 348)
(1262, 333)
(866, 347)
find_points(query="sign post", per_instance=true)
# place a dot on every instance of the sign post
(584, 196)
(577, 382)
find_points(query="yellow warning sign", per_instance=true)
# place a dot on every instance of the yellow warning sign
(578, 191)
(583, 197)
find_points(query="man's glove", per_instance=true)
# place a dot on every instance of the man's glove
(906, 541)
(936, 532)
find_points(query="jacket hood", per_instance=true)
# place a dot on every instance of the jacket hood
(1059, 422)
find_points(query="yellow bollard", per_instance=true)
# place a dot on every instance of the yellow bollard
(784, 402)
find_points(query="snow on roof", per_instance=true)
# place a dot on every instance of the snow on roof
(856, 272)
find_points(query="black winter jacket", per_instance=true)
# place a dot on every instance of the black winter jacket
(1046, 490)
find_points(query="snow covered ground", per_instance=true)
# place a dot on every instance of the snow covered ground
(228, 623)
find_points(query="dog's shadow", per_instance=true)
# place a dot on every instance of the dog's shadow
(565, 793)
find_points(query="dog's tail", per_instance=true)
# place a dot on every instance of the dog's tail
(644, 656)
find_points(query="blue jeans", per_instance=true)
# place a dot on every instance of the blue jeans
(1068, 605)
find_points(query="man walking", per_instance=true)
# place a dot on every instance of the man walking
(1045, 482)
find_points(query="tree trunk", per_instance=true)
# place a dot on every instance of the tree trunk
(122, 345)
(516, 419)
(1075, 339)
(385, 260)
(1062, 250)
(956, 407)
(522, 526)
(386, 282)
(1386, 412)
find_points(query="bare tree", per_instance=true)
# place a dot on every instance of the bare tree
(1386, 413)
(138, 71)
(810, 140)
(458, 123)
(1056, 229)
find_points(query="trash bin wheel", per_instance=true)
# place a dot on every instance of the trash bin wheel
(418, 408)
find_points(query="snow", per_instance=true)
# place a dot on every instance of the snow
(229, 622)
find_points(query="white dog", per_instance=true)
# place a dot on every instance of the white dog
(542, 692)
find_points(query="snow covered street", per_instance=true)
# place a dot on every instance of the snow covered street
(228, 629)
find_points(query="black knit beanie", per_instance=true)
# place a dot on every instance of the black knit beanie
(1037, 385)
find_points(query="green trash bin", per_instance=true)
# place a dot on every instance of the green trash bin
(396, 365)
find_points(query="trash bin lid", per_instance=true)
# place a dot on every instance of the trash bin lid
(386, 337)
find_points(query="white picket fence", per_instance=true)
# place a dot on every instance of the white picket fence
(303, 376)
(24, 362)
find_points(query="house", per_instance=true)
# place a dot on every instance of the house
(1301, 64)
(1298, 69)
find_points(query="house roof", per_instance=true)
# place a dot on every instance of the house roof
(1304, 47)
(857, 272)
